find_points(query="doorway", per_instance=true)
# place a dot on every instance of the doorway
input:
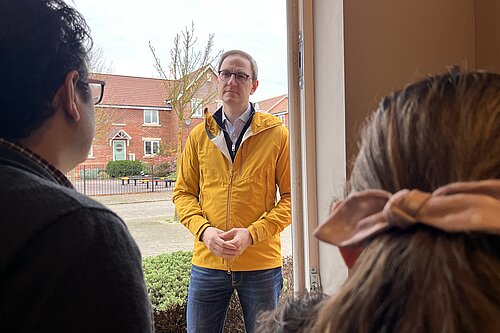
(119, 150)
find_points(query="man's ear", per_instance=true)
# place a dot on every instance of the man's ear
(255, 84)
(66, 96)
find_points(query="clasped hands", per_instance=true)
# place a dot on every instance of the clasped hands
(227, 244)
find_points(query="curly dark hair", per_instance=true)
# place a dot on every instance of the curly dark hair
(40, 42)
(294, 314)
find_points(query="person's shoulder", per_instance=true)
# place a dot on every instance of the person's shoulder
(35, 208)
(198, 130)
(205, 130)
(267, 120)
(79, 199)
(74, 200)
(269, 125)
(87, 210)
(34, 201)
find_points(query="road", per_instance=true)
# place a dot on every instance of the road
(149, 217)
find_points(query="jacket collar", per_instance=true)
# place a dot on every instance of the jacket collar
(20, 157)
(260, 121)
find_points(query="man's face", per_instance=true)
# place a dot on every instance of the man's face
(85, 105)
(232, 93)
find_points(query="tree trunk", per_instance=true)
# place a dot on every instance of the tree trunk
(179, 144)
(179, 154)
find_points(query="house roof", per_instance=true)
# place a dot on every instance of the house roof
(273, 105)
(133, 91)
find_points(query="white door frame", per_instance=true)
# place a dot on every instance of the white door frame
(317, 135)
(124, 147)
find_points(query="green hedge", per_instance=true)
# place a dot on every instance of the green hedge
(167, 279)
(124, 168)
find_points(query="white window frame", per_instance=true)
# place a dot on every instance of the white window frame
(152, 143)
(282, 118)
(152, 114)
(197, 106)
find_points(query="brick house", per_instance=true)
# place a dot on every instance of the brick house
(135, 119)
(277, 106)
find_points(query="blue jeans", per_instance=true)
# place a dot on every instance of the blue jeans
(210, 292)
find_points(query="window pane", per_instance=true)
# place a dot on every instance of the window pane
(151, 147)
(151, 117)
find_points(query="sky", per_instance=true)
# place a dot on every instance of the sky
(122, 29)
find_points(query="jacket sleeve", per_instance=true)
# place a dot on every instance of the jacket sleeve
(187, 190)
(279, 217)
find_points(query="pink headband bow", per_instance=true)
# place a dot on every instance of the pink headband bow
(457, 207)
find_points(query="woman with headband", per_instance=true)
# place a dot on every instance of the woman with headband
(423, 213)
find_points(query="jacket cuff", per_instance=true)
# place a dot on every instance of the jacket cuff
(201, 229)
(253, 234)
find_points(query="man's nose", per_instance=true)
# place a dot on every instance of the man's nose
(232, 80)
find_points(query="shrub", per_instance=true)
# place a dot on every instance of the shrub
(124, 168)
(165, 169)
(165, 163)
(103, 174)
(167, 279)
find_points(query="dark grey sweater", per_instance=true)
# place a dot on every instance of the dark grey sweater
(67, 264)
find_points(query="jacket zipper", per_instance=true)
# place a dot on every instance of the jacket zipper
(228, 215)
(233, 148)
(265, 194)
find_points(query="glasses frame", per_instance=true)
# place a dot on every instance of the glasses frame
(239, 80)
(95, 82)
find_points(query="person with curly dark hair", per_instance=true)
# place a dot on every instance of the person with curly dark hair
(294, 314)
(67, 263)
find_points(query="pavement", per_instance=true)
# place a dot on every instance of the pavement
(149, 217)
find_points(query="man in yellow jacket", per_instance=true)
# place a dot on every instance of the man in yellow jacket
(232, 167)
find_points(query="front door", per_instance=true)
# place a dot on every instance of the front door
(119, 150)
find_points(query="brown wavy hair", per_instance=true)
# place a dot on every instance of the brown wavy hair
(442, 129)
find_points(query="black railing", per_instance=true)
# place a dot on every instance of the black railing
(93, 179)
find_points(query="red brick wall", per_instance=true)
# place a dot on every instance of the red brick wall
(131, 121)
(280, 107)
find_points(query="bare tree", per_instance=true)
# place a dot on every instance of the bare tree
(187, 78)
(104, 117)
(97, 63)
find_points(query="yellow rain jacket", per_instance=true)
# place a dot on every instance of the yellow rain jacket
(211, 190)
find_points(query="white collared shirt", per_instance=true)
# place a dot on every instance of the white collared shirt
(234, 130)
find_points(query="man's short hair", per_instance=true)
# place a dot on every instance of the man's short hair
(40, 42)
(253, 63)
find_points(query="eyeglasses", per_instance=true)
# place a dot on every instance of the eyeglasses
(96, 89)
(239, 77)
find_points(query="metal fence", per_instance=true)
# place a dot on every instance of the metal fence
(93, 179)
